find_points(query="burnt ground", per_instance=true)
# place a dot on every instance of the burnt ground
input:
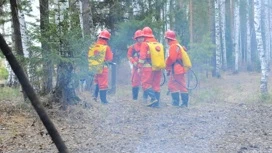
(226, 115)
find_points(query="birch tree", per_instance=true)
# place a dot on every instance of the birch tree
(217, 37)
(236, 34)
(260, 49)
(266, 29)
(223, 32)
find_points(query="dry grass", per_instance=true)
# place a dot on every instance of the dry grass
(121, 125)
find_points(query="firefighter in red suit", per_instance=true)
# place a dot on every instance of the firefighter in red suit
(150, 80)
(101, 79)
(133, 55)
(176, 71)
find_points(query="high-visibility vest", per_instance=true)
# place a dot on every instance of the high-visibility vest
(96, 57)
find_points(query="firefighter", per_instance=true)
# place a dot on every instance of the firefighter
(101, 78)
(176, 71)
(150, 79)
(133, 56)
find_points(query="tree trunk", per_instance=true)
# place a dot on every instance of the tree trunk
(212, 35)
(223, 33)
(217, 39)
(87, 25)
(248, 40)
(229, 47)
(65, 90)
(236, 34)
(47, 86)
(18, 47)
(257, 25)
(266, 33)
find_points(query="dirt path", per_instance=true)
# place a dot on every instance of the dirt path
(225, 124)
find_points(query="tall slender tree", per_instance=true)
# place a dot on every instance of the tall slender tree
(217, 38)
(223, 33)
(236, 34)
(47, 86)
(248, 36)
(260, 48)
(18, 47)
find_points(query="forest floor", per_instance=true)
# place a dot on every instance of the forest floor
(226, 115)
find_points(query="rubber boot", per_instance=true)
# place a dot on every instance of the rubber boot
(103, 96)
(151, 94)
(96, 91)
(158, 96)
(175, 99)
(145, 96)
(185, 99)
(135, 92)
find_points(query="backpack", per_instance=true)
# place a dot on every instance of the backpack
(157, 55)
(185, 60)
(96, 56)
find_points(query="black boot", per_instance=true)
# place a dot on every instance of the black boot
(185, 99)
(135, 92)
(103, 96)
(175, 99)
(96, 91)
(151, 94)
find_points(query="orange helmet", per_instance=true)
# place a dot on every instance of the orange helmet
(169, 34)
(138, 33)
(148, 32)
(104, 34)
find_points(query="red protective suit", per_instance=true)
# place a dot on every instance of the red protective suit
(149, 78)
(102, 79)
(176, 81)
(133, 56)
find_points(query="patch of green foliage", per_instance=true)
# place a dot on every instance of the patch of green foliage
(3, 71)
(10, 94)
(201, 53)
(266, 98)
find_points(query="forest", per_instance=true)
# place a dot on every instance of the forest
(229, 43)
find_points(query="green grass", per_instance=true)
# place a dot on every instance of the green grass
(266, 98)
(10, 94)
(3, 73)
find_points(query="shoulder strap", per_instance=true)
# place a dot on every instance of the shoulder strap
(178, 49)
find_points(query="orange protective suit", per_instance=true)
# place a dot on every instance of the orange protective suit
(102, 78)
(176, 81)
(149, 78)
(133, 55)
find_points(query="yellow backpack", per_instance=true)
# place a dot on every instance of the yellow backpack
(157, 55)
(96, 56)
(186, 62)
